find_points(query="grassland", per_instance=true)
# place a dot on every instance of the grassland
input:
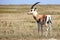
(16, 24)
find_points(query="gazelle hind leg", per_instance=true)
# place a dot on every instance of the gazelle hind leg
(50, 29)
(47, 30)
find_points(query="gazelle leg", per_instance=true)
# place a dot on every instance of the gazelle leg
(47, 30)
(50, 29)
(42, 29)
(38, 27)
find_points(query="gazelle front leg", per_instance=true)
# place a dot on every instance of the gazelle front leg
(38, 26)
(40, 29)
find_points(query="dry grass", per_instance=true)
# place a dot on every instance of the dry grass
(15, 24)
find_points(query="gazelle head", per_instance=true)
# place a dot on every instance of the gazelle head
(33, 10)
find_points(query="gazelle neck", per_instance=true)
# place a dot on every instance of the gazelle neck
(35, 13)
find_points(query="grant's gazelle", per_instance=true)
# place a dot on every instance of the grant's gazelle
(41, 19)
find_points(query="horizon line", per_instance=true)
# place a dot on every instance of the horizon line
(29, 4)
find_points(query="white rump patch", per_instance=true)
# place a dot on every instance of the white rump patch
(48, 18)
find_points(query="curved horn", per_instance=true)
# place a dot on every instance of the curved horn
(34, 5)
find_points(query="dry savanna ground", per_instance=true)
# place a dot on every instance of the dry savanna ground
(16, 24)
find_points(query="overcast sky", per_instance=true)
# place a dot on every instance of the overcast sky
(29, 1)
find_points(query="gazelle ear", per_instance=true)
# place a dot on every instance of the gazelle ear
(35, 9)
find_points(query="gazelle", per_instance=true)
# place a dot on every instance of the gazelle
(41, 19)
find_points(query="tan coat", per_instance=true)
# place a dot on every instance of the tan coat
(42, 17)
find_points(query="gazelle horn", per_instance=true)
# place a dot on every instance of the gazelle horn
(34, 5)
